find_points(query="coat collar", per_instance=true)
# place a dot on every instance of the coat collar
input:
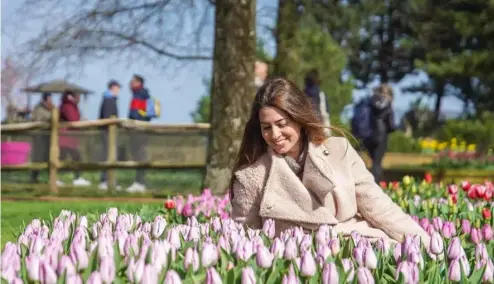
(306, 198)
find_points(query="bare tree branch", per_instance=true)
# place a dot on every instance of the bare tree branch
(91, 29)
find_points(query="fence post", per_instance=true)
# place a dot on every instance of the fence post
(112, 153)
(54, 150)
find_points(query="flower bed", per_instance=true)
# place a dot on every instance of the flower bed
(193, 240)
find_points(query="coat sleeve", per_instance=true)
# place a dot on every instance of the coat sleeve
(246, 205)
(377, 207)
(69, 113)
(390, 121)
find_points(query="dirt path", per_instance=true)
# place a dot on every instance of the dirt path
(82, 199)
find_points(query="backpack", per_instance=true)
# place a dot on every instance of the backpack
(362, 127)
(153, 108)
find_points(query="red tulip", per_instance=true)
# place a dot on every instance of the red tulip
(486, 213)
(465, 185)
(472, 193)
(454, 198)
(169, 204)
(383, 184)
(428, 177)
(481, 190)
(488, 195)
(395, 185)
(452, 189)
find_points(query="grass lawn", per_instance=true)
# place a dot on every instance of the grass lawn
(160, 183)
(17, 213)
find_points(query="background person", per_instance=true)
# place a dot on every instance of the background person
(69, 144)
(108, 109)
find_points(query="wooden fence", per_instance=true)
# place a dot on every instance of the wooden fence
(170, 160)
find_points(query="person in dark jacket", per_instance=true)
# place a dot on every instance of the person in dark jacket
(319, 100)
(138, 140)
(383, 124)
(69, 144)
(108, 109)
(41, 142)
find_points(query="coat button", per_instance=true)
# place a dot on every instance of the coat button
(325, 152)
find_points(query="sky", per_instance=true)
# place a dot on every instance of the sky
(178, 89)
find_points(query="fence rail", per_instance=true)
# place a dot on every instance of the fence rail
(54, 164)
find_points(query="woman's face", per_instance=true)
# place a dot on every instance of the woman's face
(279, 132)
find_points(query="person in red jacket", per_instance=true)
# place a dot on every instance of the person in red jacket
(69, 144)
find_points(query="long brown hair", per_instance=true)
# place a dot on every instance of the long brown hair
(284, 95)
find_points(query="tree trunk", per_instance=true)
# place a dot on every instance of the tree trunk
(233, 88)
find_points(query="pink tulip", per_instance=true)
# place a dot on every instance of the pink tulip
(47, 273)
(330, 274)
(209, 255)
(436, 244)
(290, 277)
(159, 226)
(424, 223)
(322, 235)
(277, 248)
(8, 273)
(191, 259)
(212, 276)
(290, 249)
(32, 266)
(150, 275)
(348, 268)
(194, 234)
(95, 278)
(455, 249)
(437, 223)
(65, 265)
(334, 245)
(112, 214)
(307, 264)
(135, 270)
(264, 258)
(248, 276)
(447, 230)
(466, 226)
(403, 269)
(269, 228)
(370, 259)
(481, 252)
(488, 276)
(74, 279)
(364, 276)
(188, 211)
(476, 235)
(173, 237)
(107, 269)
(487, 232)
(358, 255)
(454, 272)
(172, 277)
(105, 247)
(224, 244)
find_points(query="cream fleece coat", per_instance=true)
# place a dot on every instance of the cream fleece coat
(336, 189)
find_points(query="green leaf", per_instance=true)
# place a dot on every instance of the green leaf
(476, 276)
(230, 278)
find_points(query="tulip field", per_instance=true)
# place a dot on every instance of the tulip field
(192, 239)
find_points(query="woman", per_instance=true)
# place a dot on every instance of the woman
(383, 124)
(288, 170)
(69, 143)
